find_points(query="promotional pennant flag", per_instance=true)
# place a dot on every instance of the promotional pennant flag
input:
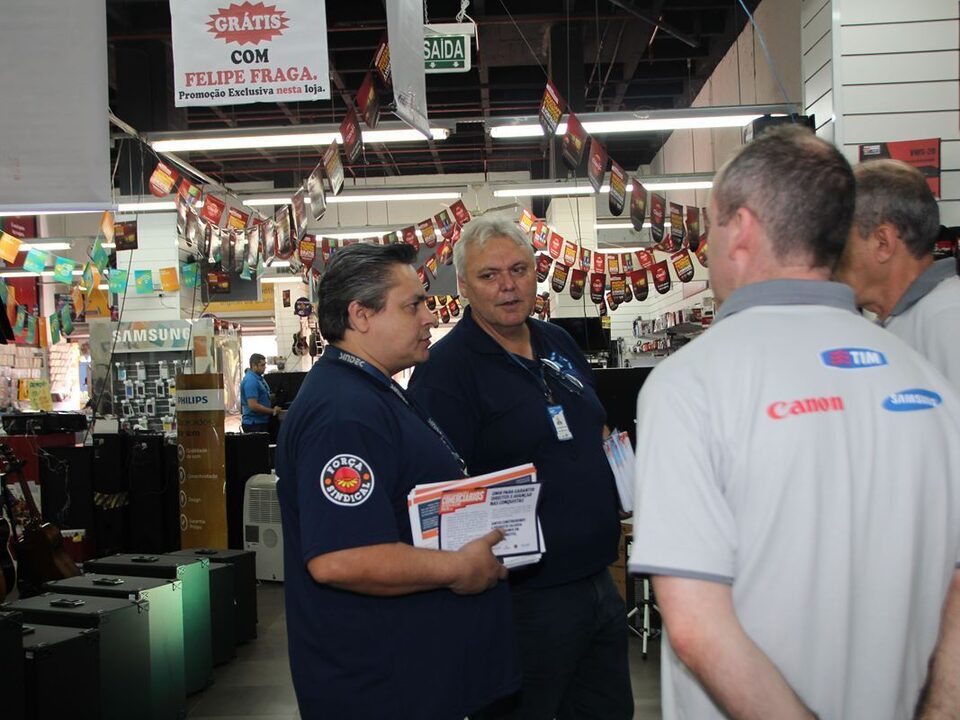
(526, 220)
(428, 233)
(555, 245)
(551, 110)
(454, 307)
(3, 290)
(90, 278)
(586, 258)
(368, 102)
(66, 321)
(570, 253)
(658, 207)
(661, 277)
(676, 226)
(143, 280)
(333, 168)
(645, 259)
(540, 234)
(168, 279)
(544, 262)
(424, 280)
(612, 301)
(298, 208)
(560, 274)
(409, 235)
(638, 279)
(626, 262)
(627, 292)
(318, 198)
(53, 323)
(599, 262)
(618, 188)
(31, 329)
(125, 235)
(613, 263)
(118, 281)
(578, 281)
(638, 204)
(106, 226)
(597, 166)
(702, 253)
(683, 265)
(539, 305)
(618, 284)
(9, 247)
(21, 320)
(460, 213)
(381, 61)
(693, 228)
(431, 263)
(237, 219)
(162, 180)
(445, 252)
(444, 314)
(99, 256)
(213, 208)
(598, 281)
(573, 143)
(307, 249)
(444, 222)
(189, 274)
(352, 139)
(35, 261)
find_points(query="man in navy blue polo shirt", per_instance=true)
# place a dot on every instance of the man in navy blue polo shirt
(256, 411)
(376, 627)
(509, 389)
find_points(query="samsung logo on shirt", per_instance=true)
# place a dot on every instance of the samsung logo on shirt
(853, 358)
(911, 400)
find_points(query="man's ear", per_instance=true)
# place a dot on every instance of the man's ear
(744, 232)
(358, 316)
(885, 243)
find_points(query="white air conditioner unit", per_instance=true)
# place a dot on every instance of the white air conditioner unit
(262, 531)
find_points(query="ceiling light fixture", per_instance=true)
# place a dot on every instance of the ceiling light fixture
(45, 246)
(315, 136)
(623, 225)
(148, 206)
(356, 198)
(601, 123)
(563, 189)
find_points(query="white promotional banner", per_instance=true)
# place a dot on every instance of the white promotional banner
(229, 53)
(405, 32)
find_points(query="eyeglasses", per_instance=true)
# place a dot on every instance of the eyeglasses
(568, 380)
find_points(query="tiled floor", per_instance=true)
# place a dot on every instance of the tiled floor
(256, 685)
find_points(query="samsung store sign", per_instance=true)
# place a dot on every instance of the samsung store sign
(152, 336)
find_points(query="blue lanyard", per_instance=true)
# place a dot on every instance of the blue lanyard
(347, 358)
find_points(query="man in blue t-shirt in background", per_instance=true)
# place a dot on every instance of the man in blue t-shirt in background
(255, 399)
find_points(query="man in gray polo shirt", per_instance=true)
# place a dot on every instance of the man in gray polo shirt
(889, 263)
(798, 474)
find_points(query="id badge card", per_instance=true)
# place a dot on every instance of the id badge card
(559, 422)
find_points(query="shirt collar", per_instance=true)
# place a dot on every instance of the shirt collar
(478, 339)
(788, 292)
(927, 281)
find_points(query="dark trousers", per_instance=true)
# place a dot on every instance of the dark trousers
(270, 427)
(573, 651)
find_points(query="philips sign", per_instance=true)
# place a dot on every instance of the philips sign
(199, 400)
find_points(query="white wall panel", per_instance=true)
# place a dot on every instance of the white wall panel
(884, 128)
(901, 97)
(911, 37)
(817, 29)
(919, 67)
(822, 109)
(819, 84)
(810, 8)
(950, 184)
(896, 11)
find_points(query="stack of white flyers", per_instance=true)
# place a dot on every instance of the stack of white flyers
(619, 453)
(448, 515)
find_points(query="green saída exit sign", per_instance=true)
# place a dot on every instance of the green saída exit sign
(446, 53)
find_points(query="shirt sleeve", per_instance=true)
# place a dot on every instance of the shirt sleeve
(248, 389)
(683, 525)
(345, 477)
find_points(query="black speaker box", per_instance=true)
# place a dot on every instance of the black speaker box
(62, 672)
(244, 564)
(152, 496)
(246, 455)
(66, 479)
(11, 660)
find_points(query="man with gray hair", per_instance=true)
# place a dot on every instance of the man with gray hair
(378, 628)
(889, 263)
(819, 464)
(509, 389)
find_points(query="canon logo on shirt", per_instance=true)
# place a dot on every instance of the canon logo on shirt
(783, 409)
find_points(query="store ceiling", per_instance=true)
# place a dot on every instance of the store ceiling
(616, 61)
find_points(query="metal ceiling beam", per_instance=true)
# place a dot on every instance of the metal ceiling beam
(632, 55)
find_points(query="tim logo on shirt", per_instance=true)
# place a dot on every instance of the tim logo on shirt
(346, 480)
(853, 358)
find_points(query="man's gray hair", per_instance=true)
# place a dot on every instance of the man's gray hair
(893, 192)
(799, 187)
(358, 272)
(478, 231)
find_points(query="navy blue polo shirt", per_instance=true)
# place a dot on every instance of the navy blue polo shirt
(349, 451)
(494, 410)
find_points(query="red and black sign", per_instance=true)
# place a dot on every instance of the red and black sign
(618, 284)
(597, 166)
(543, 266)
(626, 262)
(645, 259)
(409, 235)
(661, 277)
(381, 62)
(428, 232)
(683, 265)
(638, 279)
(454, 307)
(570, 253)
(598, 281)
(318, 199)
(627, 292)
(333, 168)
(612, 302)
(693, 227)
(213, 208)
(702, 253)
(618, 188)
(924, 155)
(445, 252)
(586, 258)
(560, 274)
(658, 208)
(424, 280)
(578, 281)
(573, 143)
(299, 207)
(307, 249)
(540, 233)
(444, 222)
(444, 314)
(676, 227)
(638, 204)
(125, 235)
(368, 101)
(432, 265)
(162, 179)
(555, 245)
(551, 110)
(352, 138)
(460, 212)
(613, 263)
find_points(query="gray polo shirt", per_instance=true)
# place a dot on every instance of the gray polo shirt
(927, 318)
(809, 459)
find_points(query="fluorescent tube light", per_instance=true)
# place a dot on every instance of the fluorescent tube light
(280, 264)
(276, 279)
(356, 198)
(24, 273)
(272, 140)
(155, 206)
(550, 188)
(623, 225)
(545, 191)
(45, 246)
(604, 123)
